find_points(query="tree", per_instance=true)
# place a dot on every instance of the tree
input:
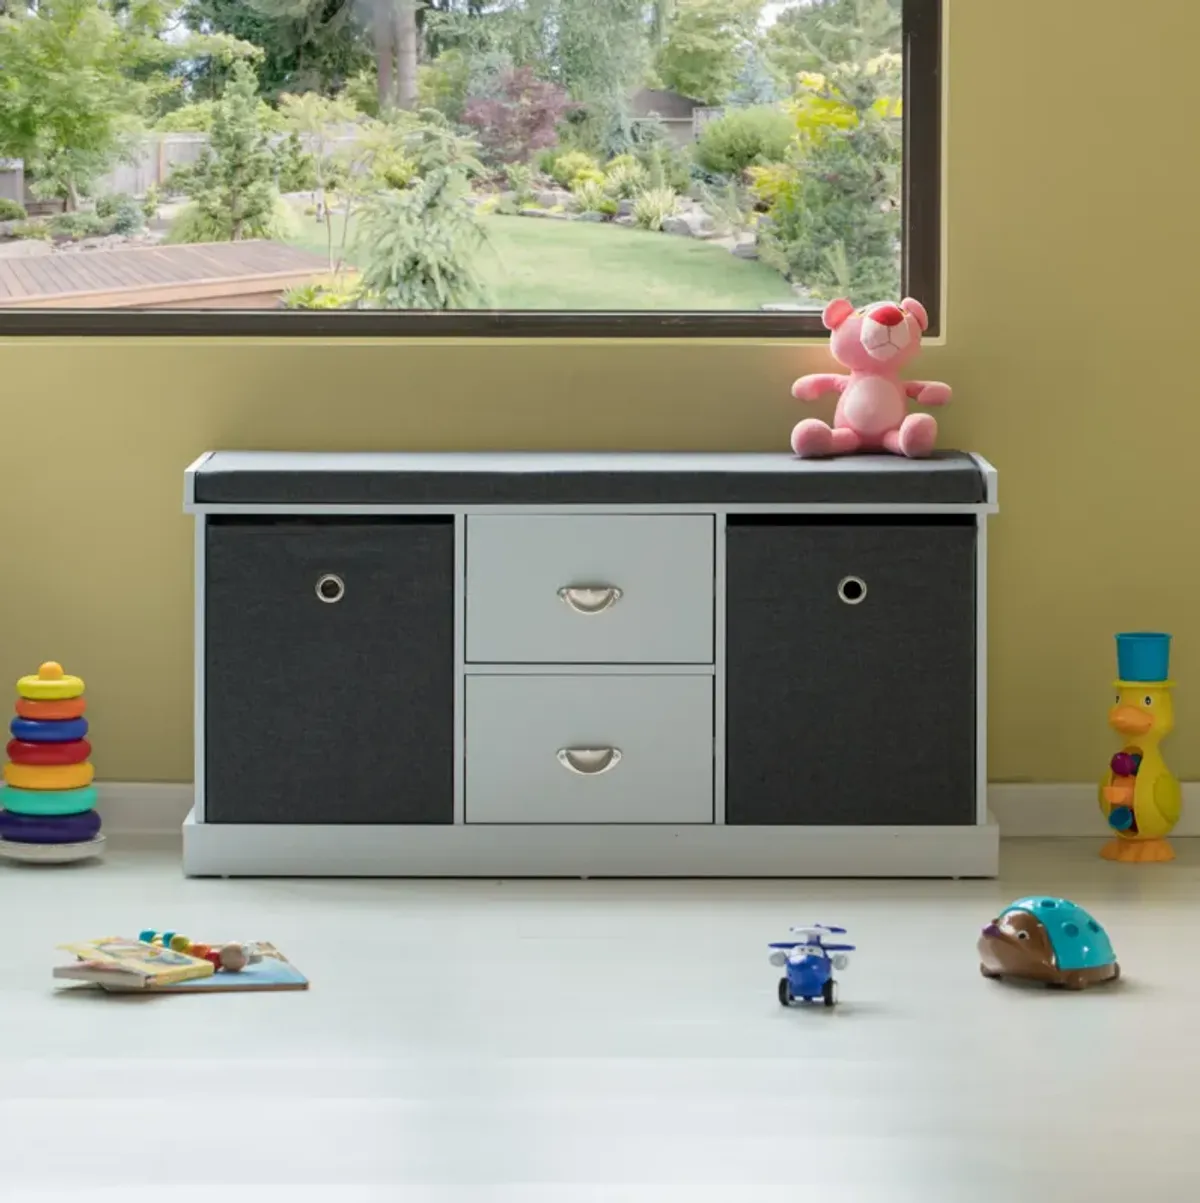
(392, 28)
(809, 36)
(314, 47)
(419, 244)
(835, 224)
(521, 120)
(233, 184)
(706, 46)
(67, 106)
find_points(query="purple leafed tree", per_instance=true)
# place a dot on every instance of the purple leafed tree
(520, 118)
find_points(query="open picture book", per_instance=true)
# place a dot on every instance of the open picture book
(121, 965)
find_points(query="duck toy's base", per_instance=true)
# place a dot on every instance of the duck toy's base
(1138, 851)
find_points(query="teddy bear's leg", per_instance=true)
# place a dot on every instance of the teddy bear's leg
(915, 438)
(812, 439)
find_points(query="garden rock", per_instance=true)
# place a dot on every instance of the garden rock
(25, 248)
(690, 224)
(624, 208)
(626, 219)
(592, 215)
(746, 247)
(552, 197)
(560, 216)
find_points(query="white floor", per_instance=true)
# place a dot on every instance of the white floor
(562, 1041)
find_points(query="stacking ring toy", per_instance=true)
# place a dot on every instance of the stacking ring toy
(51, 711)
(75, 752)
(50, 685)
(35, 732)
(38, 829)
(48, 802)
(49, 776)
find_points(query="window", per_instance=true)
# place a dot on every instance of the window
(633, 168)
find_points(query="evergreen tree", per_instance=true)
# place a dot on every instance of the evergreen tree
(233, 185)
(835, 226)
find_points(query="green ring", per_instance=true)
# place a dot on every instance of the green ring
(48, 802)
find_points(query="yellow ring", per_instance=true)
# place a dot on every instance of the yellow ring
(49, 776)
(50, 684)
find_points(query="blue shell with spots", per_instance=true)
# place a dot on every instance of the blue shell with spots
(1078, 941)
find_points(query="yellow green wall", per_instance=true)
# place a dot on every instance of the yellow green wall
(1072, 179)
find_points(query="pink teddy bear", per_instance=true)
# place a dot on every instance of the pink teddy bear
(872, 410)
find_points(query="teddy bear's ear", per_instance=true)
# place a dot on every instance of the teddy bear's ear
(836, 312)
(917, 310)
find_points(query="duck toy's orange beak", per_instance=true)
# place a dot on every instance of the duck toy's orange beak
(1129, 720)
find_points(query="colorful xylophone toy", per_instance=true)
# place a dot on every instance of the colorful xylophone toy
(49, 801)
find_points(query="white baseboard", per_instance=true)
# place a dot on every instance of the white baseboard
(1032, 809)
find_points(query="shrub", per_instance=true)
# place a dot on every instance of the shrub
(30, 229)
(521, 120)
(545, 159)
(625, 177)
(567, 166)
(78, 225)
(10, 210)
(743, 138)
(198, 225)
(519, 177)
(121, 213)
(653, 206)
(590, 197)
(771, 184)
(318, 296)
(295, 168)
(150, 203)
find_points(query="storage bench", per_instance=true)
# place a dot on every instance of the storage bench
(590, 665)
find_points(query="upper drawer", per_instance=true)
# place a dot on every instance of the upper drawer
(590, 589)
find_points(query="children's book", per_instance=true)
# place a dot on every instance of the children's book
(273, 972)
(117, 963)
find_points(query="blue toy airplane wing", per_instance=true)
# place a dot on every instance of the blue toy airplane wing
(838, 947)
(787, 944)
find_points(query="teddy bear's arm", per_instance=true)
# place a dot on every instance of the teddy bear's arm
(927, 392)
(811, 388)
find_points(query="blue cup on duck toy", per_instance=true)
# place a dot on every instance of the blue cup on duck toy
(1143, 656)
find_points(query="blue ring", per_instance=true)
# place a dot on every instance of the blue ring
(48, 829)
(39, 731)
(48, 802)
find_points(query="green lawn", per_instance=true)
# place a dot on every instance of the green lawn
(541, 263)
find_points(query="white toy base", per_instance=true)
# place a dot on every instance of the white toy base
(52, 854)
(580, 850)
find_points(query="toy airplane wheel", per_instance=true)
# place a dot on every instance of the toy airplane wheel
(785, 994)
(829, 993)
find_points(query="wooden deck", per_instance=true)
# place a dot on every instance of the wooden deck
(224, 275)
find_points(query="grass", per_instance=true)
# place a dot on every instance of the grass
(540, 263)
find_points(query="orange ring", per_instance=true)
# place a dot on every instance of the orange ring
(51, 712)
(49, 777)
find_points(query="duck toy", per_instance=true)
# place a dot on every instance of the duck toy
(1139, 796)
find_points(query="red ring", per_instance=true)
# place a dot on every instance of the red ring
(76, 751)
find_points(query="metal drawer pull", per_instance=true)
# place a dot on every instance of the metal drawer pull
(589, 762)
(330, 588)
(590, 599)
(852, 590)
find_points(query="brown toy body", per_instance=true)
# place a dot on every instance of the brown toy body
(1018, 945)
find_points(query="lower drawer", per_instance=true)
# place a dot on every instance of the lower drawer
(589, 749)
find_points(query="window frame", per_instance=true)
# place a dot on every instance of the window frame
(921, 265)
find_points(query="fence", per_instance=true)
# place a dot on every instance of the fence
(12, 180)
(152, 161)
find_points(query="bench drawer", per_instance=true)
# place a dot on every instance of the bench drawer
(590, 589)
(600, 749)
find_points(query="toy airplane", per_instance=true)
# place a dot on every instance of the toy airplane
(809, 964)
